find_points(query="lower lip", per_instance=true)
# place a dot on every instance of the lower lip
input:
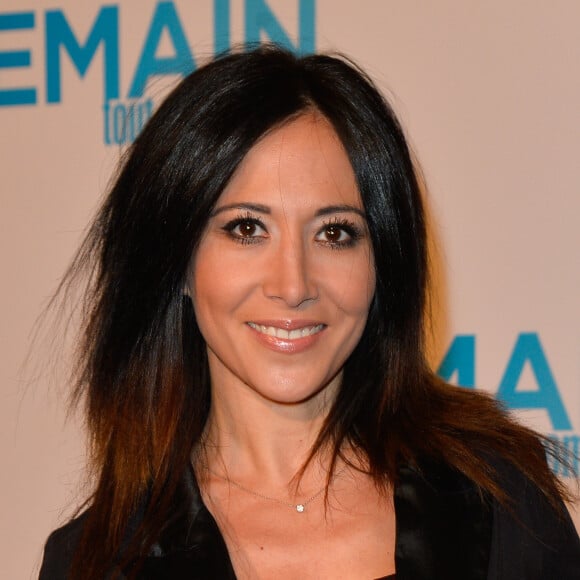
(286, 345)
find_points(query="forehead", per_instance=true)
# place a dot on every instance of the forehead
(302, 163)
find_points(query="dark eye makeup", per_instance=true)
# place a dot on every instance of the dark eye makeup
(245, 229)
(339, 233)
(336, 233)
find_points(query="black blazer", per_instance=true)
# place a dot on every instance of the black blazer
(445, 531)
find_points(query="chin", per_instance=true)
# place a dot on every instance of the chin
(294, 390)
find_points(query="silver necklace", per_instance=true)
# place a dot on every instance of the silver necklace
(299, 507)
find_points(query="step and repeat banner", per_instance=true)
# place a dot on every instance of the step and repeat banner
(489, 95)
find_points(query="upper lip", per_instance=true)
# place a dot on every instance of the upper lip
(287, 324)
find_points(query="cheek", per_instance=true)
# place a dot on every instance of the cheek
(206, 284)
(216, 286)
(362, 293)
(207, 274)
(367, 276)
(353, 287)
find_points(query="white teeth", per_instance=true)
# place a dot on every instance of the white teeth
(287, 334)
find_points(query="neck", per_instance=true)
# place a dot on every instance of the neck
(249, 437)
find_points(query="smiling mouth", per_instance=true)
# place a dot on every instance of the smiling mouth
(287, 334)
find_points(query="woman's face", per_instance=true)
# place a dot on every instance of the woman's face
(284, 275)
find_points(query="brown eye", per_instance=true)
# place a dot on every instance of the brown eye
(339, 234)
(247, 229)
(333, 234)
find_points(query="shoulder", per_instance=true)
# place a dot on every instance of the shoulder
(445, 522)
(59, 550)
(531, 537)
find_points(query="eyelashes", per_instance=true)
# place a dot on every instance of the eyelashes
(336, 233)
(246, 229)
(339, 233)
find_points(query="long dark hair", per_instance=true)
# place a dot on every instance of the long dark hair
(142, 369)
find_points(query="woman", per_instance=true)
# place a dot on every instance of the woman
(253, 359)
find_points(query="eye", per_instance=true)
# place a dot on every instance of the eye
(339, 234)
(245, 229)
(334, 234)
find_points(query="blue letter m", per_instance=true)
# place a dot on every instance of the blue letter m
(58, 32)
(460, 360)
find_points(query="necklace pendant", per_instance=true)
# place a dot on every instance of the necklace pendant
(300, 508)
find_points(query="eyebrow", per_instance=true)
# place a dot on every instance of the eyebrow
(344, 208)
(259, 208)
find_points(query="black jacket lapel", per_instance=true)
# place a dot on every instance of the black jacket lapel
(443, 526)
(191, 547)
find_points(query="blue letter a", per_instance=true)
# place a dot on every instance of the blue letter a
(529, 349)
(182, 63)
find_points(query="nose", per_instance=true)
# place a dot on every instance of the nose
(290, 277)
